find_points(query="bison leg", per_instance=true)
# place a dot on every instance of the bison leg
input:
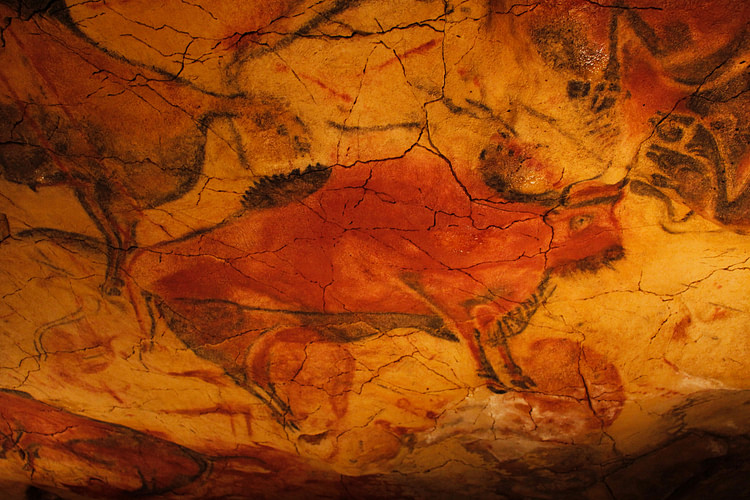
(88, 197)
(485, 368)
(517, 377)
(494, 351)
(493, 334)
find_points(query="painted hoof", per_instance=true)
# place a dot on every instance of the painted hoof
(523, 383)
(497, 389)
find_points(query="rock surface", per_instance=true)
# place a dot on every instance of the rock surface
(370, 249)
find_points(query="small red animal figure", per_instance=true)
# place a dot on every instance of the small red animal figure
(354, 251)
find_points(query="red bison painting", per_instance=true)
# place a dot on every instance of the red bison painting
(339, 253)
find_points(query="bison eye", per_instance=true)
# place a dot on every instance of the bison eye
(669, 133)
(580, 222)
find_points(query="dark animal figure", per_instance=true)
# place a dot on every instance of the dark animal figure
(123, 138)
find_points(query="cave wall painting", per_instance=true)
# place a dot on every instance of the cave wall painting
(355, 238)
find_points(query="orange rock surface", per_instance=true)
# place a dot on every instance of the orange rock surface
(370, 249)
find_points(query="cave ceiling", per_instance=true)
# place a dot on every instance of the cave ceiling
(374, 249)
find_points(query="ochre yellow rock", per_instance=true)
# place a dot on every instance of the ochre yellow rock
(370, 249)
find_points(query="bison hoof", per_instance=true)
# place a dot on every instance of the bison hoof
(113, 286)
(523, 383)
(291, 425)
(497, 389)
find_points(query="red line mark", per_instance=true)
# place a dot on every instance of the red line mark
(425, 47)
(671, 365)
(341, 95)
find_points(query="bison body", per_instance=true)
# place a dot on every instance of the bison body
(339, 253)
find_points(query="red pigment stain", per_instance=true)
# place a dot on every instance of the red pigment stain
(113, 461)
(719, 313)
(679, 334)
(576, 388)
(419, 409)
(708, 26)
(245, 26)
(399, 430)
(96, 449)
(651, 90)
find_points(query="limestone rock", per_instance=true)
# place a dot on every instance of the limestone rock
(371, 249)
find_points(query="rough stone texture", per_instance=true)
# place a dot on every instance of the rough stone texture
(374, 249)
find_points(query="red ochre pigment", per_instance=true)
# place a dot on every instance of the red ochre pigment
(408, 242)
